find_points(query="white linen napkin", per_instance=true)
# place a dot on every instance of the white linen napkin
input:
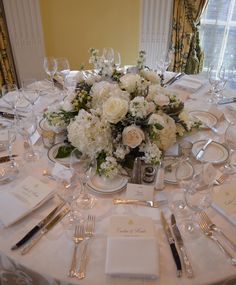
(224, 201)
(132, 249)
(132, 257)
(189, 84)
(23, 199)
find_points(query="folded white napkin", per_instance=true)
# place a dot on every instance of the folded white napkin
(224, 201)
(132, 257)
(23, 199)
(188, 84)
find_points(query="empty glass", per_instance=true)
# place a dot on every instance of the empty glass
(85, 167)
(117, 59)
(108, 55)
(50, 67)
(30, 90)
(230, 140)
(163, 63)
(63, 67)
(10, 94)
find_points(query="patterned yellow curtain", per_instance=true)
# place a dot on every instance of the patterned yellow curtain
(188, 56)
(6, 71)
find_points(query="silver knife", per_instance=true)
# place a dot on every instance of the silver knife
(38, 227)
(173, 79)
(6, 158)
(44, 230)
(202, 150)
(171, 242)
(183, 252)
(148, 203)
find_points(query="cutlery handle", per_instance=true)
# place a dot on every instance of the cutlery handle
(232, 244)
(176, 259)
(32, 243)
(72, 271)
(133, 202)
(187, 264)
(82, 262)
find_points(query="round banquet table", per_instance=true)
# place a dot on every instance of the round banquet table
(48, 262)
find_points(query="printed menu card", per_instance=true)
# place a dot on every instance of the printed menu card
(224, 201)
(23, 199)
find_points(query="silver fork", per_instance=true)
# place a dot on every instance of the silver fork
(89, 232)
(78, 237)
(221, 179)
(209, 233)
(214, 227)
(149, 203)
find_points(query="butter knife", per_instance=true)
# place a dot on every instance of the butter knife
(38, 227)
(202, 150)
(180, 243)
(173, 79)
(148, 203)
(6, 158)
(171, 242)
(44, 230)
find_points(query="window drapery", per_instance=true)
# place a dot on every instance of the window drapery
(188, 55)
(6, 70)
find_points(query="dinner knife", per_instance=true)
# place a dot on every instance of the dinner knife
(7, 115)
(44, 230)
(148, 203)
(173, 79)
(227, 101)
(6, 158)
(202, 150)
(37, 227)
(171, 242)
(180, 243)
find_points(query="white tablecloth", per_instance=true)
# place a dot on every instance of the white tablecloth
(48, 262)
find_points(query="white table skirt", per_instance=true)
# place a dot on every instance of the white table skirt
(48, 262)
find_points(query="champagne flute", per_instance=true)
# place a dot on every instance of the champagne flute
(27, 126)
(10, 94)
(85, 167)
(50, 67)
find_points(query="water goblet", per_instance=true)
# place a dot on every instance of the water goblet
(63, 67)
(10, 94)
(30, 90)
(108, 55)
(230, 140)
(85, 167)
(163, 63)
(26, 126)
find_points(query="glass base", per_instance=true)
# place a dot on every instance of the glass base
(32, 156)
(86, 201)
(190, 229)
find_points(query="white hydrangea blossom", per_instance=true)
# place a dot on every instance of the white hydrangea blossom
(139, 107)
(152, 154)
(89, 133)
(109, 167)
(151, 76)
(66, 104)
(130, 82)
(121, 151)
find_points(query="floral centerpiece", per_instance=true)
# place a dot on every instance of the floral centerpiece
(118, 116)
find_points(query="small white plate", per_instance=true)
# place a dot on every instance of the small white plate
(103, 185)
(206, 117)
(52, 153)
(170, 176)
(215, 152)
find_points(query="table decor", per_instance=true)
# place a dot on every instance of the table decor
(118, 117)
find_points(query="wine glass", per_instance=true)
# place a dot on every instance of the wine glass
(10, 94)
(63, 67)
(50, 67)
(30, 90)
(26, 126)
(117, 59)
(108, 55)
(85, 167)
(214, 80)
(230, 140)
(163, 63)
(70, 83)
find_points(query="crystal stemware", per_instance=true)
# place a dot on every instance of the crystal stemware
(50, 67)
(30, 90)
(230, 140)
(63, 67)
(26, 126)
(163, 63)
(117, 59)
(85, 167)
(10, 94)
(108, 55)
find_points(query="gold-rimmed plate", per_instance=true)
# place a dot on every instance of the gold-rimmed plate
(208, 119)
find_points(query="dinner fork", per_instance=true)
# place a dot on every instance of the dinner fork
(89, 232)
(78, 237)
(214, 227)
(209, 233)
(221, 179)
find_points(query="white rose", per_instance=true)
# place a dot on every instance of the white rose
(156, 119)
(151, 76)
(161, 100)
(132, 136)
(115, 109)
(130, 82)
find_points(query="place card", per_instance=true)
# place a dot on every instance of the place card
(224, 201)
(23, 198)
(62, 172)
(130, 226)
(35, 137)
(139, 192)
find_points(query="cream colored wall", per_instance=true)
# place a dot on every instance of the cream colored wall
(71, 27)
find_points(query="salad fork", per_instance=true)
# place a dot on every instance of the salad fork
(209, 233)
(221, 179)
(78, 237)
(89, 232)
(214, 228)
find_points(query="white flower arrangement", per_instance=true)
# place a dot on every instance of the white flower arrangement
(122, 116)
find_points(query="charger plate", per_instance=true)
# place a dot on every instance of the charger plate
(52, 153)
